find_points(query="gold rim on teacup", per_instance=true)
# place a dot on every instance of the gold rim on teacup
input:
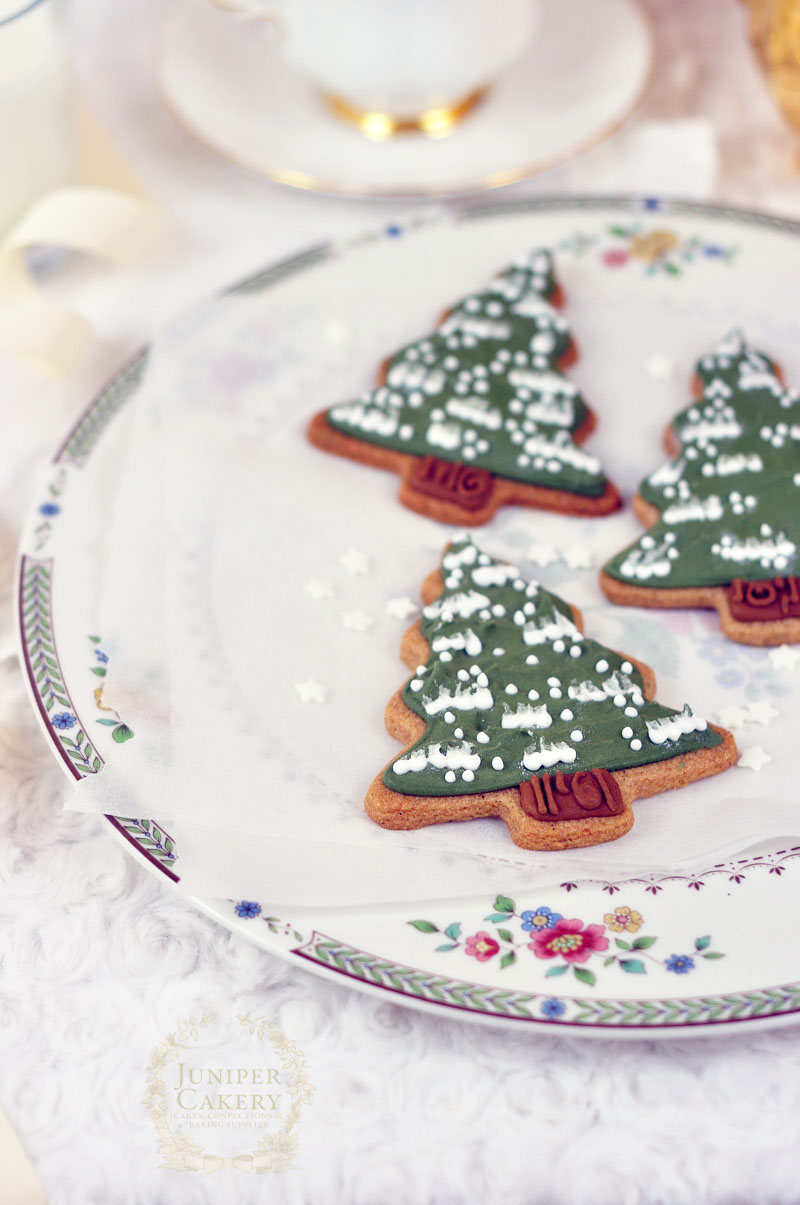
(378, 126)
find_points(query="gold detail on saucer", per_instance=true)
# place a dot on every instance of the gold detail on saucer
(378, 126)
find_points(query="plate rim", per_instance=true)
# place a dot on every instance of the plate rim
(762, 1006)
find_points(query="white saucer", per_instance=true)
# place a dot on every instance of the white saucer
(225, 82)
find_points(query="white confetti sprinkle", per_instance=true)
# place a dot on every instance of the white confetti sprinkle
(783, 657)
(401, 608)
(754, 758)
(318, 589)
(659, 367)
(733, 717)
(311, 691)
(542, 554)
(761, 713)
(355, 562)
(357, 621)
(576, 556)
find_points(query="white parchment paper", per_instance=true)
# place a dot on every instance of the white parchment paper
(225, 512)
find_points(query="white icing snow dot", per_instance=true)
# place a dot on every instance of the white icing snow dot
(449, 717)
(467, 776)
(636, 745)
(576, 735)
(626, 732)
(449, 776)
(566, 714)
(483, 738)
(511, 689)
(497, 763)
(602, 666)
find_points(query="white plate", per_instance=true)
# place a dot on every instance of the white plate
(685, 953)
(225, 82)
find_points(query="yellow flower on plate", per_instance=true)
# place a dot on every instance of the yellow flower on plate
(622, 918)
(654, 245)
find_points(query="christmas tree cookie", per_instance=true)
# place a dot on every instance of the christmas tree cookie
(480, 412)
(724, 513)
(511, 711)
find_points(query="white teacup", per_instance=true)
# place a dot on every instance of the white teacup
(412, 63)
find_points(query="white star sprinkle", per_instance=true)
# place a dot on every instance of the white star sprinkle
(577, 557)
(660, 368)
(542, 554)
(783, 657)
(754, 758)
(318, 589)
(357, 621)
(761, 713)
(355, 562)
(401, 608)
(733, 716)
(336, 332)
(311, 691)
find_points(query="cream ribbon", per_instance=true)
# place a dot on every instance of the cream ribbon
(106, 214)
(20, 1183)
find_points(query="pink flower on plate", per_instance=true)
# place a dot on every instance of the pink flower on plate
(615, 258)
(570, 941)
(482, 946)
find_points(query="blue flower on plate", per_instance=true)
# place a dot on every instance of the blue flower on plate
(247, 909)
(717, 650)
(652, 204)
(713, 251)
(539, 918)
(393, 231)
(681, 964)
(101, 656)
(63, 720)
(49, 509)
(553, 1008)
(730, 676)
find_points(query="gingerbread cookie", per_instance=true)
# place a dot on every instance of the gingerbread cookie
(511, 711)
(480, 413)
(724, 514)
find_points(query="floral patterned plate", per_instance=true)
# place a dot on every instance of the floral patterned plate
(666, 954)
